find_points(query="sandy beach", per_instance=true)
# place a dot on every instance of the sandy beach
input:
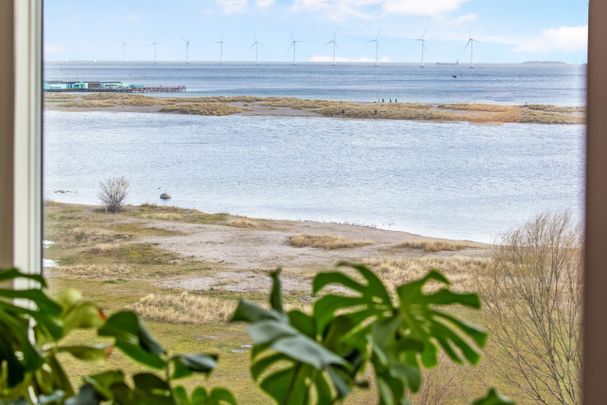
(295, 107)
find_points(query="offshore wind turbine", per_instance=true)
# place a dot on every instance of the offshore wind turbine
(187, 49)
(94, 44)
(124, 47)
(470, 43)
(335, 44)
(155, 45)
(256, 44)
(220, 50)
(422, 40)
(294, 43)
(376, 40)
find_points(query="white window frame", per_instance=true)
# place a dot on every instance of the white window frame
(27, 186)
(25, 195)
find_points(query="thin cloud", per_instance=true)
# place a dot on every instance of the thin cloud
(264, 3)
(564, 38)
(342, 9)
(232, 6)
(460, 20)
(427, 8)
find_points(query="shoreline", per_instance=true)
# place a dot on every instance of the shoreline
(474, 113)
(249, 243)
(285, 218)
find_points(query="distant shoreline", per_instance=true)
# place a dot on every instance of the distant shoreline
(295, 107)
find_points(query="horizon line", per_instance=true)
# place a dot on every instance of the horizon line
(328, 62)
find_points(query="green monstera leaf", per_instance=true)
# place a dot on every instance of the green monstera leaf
(290, 359)
(399, 336)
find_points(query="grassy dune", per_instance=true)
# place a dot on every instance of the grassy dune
(219, 106)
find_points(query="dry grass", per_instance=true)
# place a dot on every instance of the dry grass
(460, 270)
(93, 271)
(202, 108)
(476, 107)
(554, 108)
(184, 308)
(328, 242)
(431, 246)
(243, 223)
(151, 211)
(145, 254)
(220, 106)
(549, 117)
(77, 237)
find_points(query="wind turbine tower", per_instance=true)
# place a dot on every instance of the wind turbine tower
(124, 47)
(376, 40)
(422, 40)
(187, 49)
(94, 51)
(155, 45)
(335, 45)
(294, 43)
(220, 50)
(470, 43)
(256, 44)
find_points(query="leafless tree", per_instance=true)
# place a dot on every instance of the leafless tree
(113, 192)
(532, 291)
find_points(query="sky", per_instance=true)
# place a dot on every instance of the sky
(507, 31)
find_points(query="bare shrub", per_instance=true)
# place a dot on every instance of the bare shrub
(533, 297)
(113, 192)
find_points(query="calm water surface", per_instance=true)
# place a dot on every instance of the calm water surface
(440, 179)
(501, 83)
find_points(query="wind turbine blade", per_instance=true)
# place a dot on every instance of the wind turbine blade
(466, 47)
(424, 34)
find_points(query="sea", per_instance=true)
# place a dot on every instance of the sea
(452, 180)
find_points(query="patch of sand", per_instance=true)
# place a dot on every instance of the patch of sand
(243, 256)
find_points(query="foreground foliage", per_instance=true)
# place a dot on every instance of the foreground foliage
(297, 358)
